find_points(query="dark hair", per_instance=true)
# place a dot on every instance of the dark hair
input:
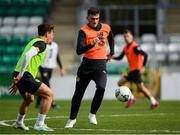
(93, 11)
(43, 28)
(127, 31)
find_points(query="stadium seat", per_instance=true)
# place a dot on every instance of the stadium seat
(16, 41)
(39, 12)
(174, 39)
(43, 2)
(173, 52)
(30, 2)
(3, 11)
(6, 31)
(25, 40)
(17, 2)
(26, 11)
(1, 21)
(3, 41)
(11, 49)
(32, 31)
(22, 21)
(35, 20)
(148, 48)
(148, 38)
(161, 52)
(9, 21)
(1, 50)
(13, 12)
(19, 31)
(5, 2)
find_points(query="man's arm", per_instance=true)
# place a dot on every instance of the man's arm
(81, 47)
(59, 62)
(32, 52)
(138, 50)
(120, 56)
(111, 42)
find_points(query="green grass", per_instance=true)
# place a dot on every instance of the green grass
(112, 118)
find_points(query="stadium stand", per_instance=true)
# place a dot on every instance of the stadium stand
(18, 25)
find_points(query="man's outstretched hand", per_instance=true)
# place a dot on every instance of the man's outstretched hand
(13, 89)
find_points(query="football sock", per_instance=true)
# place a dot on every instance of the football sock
(40, 119)
(20, 118)
(153, 100)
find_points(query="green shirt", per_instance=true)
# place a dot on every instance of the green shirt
(34, 63)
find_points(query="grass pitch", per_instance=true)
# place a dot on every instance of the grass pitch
(112, 117)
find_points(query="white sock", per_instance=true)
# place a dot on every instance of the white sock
(20, 118)
(153, 100)
(40, 119)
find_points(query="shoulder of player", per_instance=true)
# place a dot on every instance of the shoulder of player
(40, 45)
(106, 25)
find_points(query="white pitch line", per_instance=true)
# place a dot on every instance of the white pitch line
(132, 115)
(119, 130)
(114, 115)
(3, 123)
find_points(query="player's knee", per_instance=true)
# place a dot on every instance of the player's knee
(49, 95)
(29, 100)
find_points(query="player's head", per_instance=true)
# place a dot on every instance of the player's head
(128, 36)
(93, 15)
(46, 31)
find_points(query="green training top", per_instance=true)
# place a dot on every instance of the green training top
(35, 61)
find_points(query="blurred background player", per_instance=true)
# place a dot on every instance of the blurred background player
(92, 43)
(24, 78)
(50, 62)
(137, 59)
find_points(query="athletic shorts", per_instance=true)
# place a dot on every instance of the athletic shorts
(134, 76)
(27, 83)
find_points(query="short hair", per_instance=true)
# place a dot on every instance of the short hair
(43, 28)
(127, 31)
(93, 11)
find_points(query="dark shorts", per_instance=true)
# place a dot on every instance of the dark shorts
(27, 83)
(134, 76)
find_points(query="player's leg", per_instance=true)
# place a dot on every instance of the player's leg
(148, 94)
(46, 74)
(81, 85)
(27, 100)
(47, 95)
(45, 79)
(100, 79)
(38, 101)
(128, 77)
(122, 81)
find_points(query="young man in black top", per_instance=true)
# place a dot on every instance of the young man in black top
(92, 43)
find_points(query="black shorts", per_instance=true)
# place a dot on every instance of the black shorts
(27, 83)
(134, 76)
